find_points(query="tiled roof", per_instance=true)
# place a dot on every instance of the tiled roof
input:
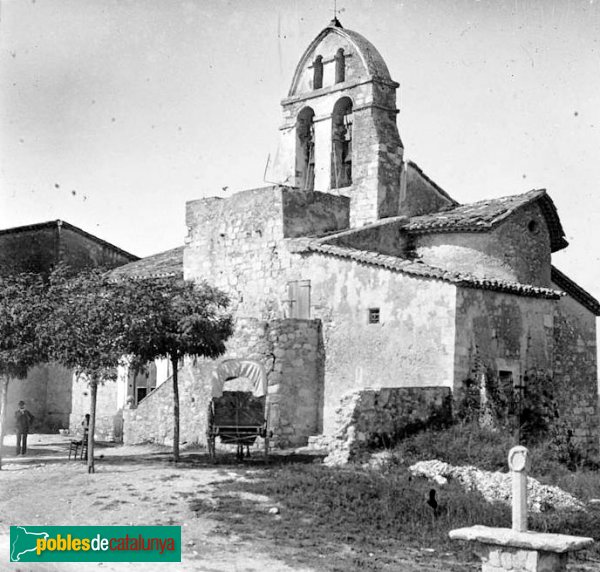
(421, 270)
(575, 291)
(163, 264)
(484, 215)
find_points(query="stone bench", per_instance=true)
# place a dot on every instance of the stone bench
(503, 549)
(517, 549)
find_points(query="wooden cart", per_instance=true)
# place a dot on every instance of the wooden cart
(238, 417)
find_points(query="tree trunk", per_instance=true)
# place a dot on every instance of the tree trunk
(3, 415)
(174, 362)
(92, 427)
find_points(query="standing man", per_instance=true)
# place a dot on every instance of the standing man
(23, 420)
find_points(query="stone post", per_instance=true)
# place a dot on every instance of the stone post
(516, 548)
(518, 462)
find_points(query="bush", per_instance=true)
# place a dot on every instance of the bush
(461, 444)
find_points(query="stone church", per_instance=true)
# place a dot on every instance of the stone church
(355, 274)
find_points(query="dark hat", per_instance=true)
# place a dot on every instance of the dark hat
(21, 403)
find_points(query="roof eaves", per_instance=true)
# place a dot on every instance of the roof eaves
(557, 233)
(443, 221)
(575, 291)
(159, 265)
(421, 270)
(534, 195)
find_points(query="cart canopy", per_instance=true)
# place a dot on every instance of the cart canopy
(232, 368)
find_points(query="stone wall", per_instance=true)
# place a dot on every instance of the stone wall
(290, 351)
(385, 237)
(310, 213)
(575, 370)
(31, 390)
(532, 336)
(28, 250)
(82, 250)
(502, 332)
(47, 394)
(152, 420)
(59, 389)
(376, 417)
(510, 252)
(411, 346)
(109, 418)
(419, 194)
(239, 243)
(38, 248)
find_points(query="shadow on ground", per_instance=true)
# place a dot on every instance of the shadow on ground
(53, 449)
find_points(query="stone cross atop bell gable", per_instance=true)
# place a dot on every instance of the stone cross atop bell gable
(339, 133)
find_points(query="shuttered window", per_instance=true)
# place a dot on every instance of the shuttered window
(299, 299)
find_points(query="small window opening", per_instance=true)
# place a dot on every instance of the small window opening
(340, 66)
(318, 72)
(341, 143)
(506, 379)
(373, 315)
(532, 226)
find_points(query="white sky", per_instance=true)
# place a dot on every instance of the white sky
(114, 113)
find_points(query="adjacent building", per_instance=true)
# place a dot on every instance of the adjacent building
(38, 248)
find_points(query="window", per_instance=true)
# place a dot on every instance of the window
(373, 315)
(340, 66)
(506, 379)
(305, 150)
(341, 144)
(318, 72)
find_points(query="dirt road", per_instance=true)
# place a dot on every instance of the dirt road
(140, 486)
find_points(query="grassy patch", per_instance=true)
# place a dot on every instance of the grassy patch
(364, 517)
(369, 518)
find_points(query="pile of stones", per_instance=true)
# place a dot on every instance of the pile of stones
(496, 486)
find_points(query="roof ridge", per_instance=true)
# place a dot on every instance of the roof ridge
(483, 215)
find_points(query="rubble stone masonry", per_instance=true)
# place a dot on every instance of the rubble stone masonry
(377, 417)
(290, 351)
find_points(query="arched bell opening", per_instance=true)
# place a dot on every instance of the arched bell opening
(305, 149)
(341, 144)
